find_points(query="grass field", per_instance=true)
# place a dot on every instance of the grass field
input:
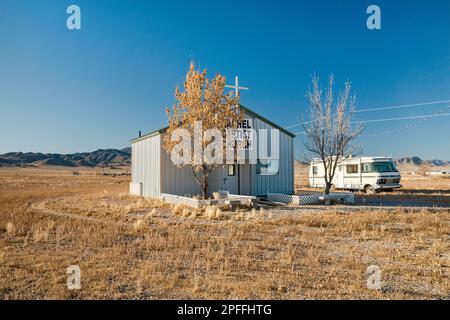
(132, 248)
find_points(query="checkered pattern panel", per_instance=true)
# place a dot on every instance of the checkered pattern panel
(310, 199)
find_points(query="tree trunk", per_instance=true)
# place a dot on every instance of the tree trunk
(327, 187)
(205, 187)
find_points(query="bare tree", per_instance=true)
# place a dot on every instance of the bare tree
(330, 129)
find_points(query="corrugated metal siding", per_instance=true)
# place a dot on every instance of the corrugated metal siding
(145, 165)
(283, 182)
(177, 180)
(215, 179)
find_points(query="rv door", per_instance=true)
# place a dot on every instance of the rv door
(339, 177)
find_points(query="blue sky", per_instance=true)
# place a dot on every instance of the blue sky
(67, 91)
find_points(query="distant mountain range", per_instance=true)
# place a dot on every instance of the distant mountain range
(418, 161)
(408, 161)
(98, 158)
(122, 157)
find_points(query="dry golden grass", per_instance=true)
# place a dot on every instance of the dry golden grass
(133, 248)
(426, 183)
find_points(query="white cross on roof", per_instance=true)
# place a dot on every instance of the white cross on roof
(236, 87)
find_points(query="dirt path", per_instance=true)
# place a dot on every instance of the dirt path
(163, 214)
(39, 207)
(419, 202)
(167, 216)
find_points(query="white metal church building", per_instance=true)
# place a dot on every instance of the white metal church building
(153, 172)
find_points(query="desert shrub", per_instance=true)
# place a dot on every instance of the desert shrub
(139, 226)
(10, 229)
(40, 233)
(177, 209)
(186, 212)
(210, 212)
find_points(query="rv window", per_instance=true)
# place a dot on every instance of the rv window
(366, 168)
(378, 167)
(267, 167)
(352, 168)
(315, 170)
(231, 170)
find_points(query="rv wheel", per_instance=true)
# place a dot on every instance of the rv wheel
(369, 189)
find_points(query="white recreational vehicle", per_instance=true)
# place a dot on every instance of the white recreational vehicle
(369, 174)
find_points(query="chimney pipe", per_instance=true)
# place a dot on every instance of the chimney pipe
(140, 134)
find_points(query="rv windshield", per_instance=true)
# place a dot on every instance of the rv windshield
(378, 167)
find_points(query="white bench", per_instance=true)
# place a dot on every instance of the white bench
(329, 199)
(236, 198)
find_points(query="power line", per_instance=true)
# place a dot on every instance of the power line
(423, 118)
(402, 106)
(403, 118)
(383, 108)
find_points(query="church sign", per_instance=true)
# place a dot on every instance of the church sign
(242, 135)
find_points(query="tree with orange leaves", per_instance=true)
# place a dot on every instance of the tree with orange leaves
(205, 112)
